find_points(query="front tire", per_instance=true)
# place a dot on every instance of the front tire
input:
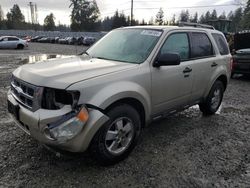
(213, 100)
(116, 138)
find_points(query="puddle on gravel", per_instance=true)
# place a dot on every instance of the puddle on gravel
(196, 107)
(40, 57)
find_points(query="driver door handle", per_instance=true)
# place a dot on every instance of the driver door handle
(214, 64)
(187, 70)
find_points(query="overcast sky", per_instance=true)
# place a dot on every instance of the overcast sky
(143, 9)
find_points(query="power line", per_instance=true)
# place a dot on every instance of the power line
(202, 6)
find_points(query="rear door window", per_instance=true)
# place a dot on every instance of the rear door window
(12, 39)
(201, 45)
(221, 43)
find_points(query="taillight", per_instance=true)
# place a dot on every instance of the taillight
(232, 62)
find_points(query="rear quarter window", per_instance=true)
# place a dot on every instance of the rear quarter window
(221, 43)
(201, 45)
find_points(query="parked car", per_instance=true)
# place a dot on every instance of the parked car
(36, 38)
(101, 100)
(63, 40)
(43, 40)
(57, 39)
(89, 40)
(28, 38)
(241, 56)
(71, 40)
(12, 42)
(80, 40)
(241, 62)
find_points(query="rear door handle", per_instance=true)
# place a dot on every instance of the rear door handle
(187, 70)
(214, 64)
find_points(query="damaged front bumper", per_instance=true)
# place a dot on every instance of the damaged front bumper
(41, 124)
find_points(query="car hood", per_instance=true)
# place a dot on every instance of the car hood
(63, 72)
(243, 51)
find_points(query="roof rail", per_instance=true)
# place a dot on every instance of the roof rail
(190, 24)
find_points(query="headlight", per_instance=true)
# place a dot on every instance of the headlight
(56, 98)
(67, 127)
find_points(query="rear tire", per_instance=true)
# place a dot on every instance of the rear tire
(213, 100)
(116, 138)
(20, 46)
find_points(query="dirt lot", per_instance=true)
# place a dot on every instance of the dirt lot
(185, 150)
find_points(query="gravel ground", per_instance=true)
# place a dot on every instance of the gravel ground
(185, 150)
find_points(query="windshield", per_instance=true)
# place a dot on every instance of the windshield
(127, 45)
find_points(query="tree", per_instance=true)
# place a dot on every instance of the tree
(214, 15)
(151, 21)
(159, 17)
(236, 21)
(2, 22)
(172, 22)
(143, 22)
(49, 22)
(84, 15)
(184, 16)
(15, 18)
(207, 16)
(1, 14)
(202, 19)
(223, 15)
(119, 20)
(246, 17)
(194, 19)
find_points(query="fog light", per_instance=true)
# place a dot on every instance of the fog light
(64, 131)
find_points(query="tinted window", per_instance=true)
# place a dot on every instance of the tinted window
(177, 43)
(221, 43)
(201, 45)
(12, 39)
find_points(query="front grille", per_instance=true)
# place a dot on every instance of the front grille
(26, 94)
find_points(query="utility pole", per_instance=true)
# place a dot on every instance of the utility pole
(131, 17)
(33, 12)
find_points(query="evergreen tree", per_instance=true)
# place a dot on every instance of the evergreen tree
(246, 17)
(49, 22)
(214, 15)
(159, 17)
(84, 15)
(1, 14)
(184, 16)
(236, 21)
(223, 15)
(194, 19)
(151, 21)
(15, 18)
(202, 19)
(119, 20)
(207, 16)
(172, 22)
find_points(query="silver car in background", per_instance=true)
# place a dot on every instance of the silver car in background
(7, 42)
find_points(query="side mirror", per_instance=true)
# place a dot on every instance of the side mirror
(167, 59)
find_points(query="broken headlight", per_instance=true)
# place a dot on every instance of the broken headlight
(68, 126)
(54, 99)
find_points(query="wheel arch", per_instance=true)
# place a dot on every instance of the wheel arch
(223, 79)
(20, 45)
(135, 103)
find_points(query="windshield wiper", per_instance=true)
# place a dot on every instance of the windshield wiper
(84, 52)
(103, 58)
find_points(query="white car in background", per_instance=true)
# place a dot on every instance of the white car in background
(12, 42)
